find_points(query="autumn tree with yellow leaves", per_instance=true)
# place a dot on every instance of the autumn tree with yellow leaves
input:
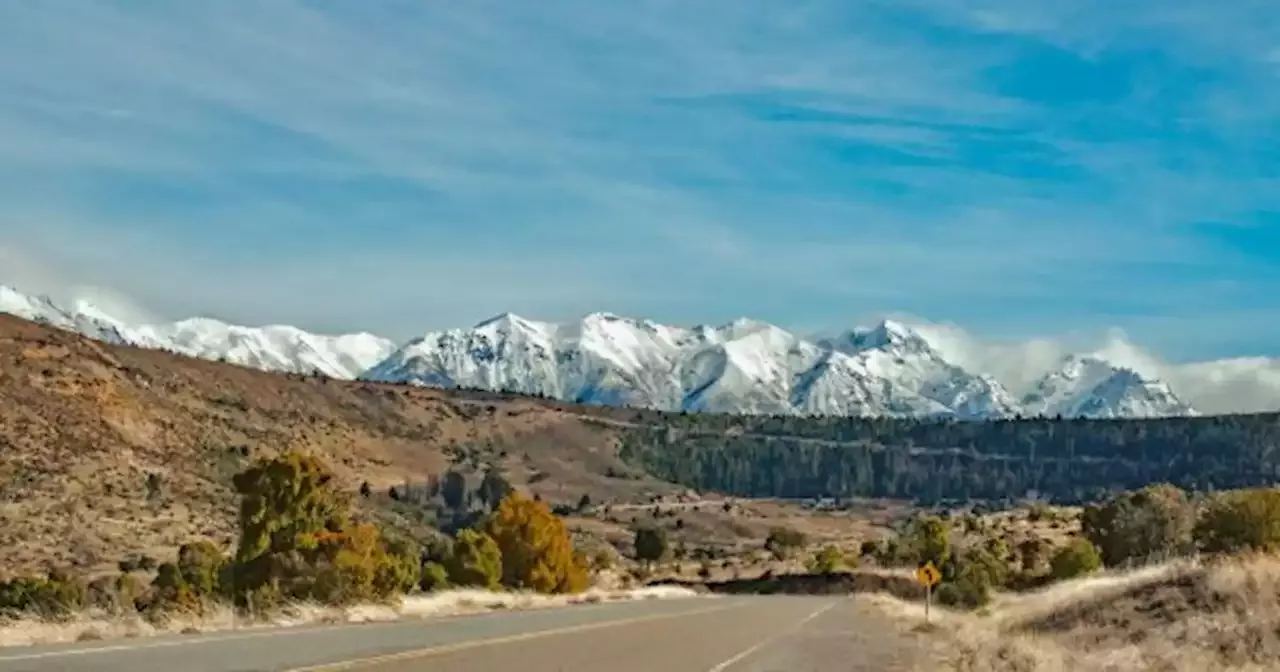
(536, 549)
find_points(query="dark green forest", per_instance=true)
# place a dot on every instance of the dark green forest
(1066, 460)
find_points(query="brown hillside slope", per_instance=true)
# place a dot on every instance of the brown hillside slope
(84, 425)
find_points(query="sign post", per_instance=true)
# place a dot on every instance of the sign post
(928, 576)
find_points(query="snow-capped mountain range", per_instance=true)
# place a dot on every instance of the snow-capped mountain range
(745, 366)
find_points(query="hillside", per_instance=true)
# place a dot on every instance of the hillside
(113, 450)
(108, 450)
(1178, 617)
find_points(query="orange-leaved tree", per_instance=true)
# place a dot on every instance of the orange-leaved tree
(537, 551)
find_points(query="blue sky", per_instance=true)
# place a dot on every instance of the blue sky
(1018, 168)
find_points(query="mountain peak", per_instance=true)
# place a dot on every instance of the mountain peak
(508, 322)
(1086, 385)
(744, 366)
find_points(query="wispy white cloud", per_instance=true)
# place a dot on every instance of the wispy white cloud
(1234, 385)
(402, 166)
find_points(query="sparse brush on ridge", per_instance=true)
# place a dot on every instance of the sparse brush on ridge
(1216, 611)
(1178, 617)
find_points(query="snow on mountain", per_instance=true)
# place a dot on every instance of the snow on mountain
(741, 367)
(894, 351)
(272, 348)
(745, 366)
(42, 309)
(1089, 386)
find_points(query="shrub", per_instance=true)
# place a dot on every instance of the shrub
(434, 577)
(170, 592)
(117, 594)
(476, 561)
(929, 541)
(1078, 558)
(826, 561)
(494, 487)
(289, 506)
(651, 544)
(1240, 520)
(536, 549)
(994, 571)
(1154, 522)
(970, 590)
(201, 566)
(298, 542)
(58, 595)
(783, 542)
(399, 570)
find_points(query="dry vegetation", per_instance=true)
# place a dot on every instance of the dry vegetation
(110, 452)
(1183, 616)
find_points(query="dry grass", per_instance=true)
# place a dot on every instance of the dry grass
(98, 626)
(1179, 617)
(83, 425)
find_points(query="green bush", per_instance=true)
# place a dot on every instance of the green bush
(58, 595)
(201, 566)
(476, 561)
(1078, 558)
(1240, 520)
(970, 590)
(400, 569)
(171, 592)
(434, 577)
(651, 544)
(929, 540)
(827, 561)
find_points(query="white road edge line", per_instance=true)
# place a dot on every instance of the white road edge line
(743, 655)
(465, 645)
(265, 632)
(234, 635)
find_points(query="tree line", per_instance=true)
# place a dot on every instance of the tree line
(1066, 460)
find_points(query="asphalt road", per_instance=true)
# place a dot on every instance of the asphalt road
(729, 634)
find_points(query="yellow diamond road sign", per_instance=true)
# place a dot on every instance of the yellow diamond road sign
(928, 575)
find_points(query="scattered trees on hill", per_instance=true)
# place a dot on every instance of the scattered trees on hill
(300, 541)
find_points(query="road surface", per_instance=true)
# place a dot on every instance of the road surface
(727, 634)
